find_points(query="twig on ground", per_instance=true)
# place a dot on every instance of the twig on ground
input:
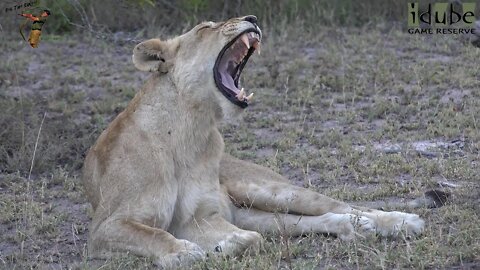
(36, 145)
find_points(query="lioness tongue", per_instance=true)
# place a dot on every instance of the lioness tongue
(227, 81)
(227, 70)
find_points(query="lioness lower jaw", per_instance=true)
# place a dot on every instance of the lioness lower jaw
(243, 97)
(160, 184)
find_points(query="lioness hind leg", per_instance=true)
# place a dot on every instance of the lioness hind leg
(259, 187)
(344, 226)
(286, 198)
(114, 235)
(254, 186)
(273, 196)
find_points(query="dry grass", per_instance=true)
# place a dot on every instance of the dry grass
(326, 98)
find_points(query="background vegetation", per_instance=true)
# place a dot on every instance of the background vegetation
(157, 16)
(129, 15)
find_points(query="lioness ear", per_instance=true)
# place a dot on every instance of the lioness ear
(154, 55)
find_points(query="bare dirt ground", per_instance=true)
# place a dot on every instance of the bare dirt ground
(363, 115)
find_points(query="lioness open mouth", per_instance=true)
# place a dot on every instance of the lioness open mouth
(230, 63)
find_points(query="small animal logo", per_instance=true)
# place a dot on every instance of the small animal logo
(36, 29)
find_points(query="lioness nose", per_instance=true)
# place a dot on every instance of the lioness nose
(251, 18)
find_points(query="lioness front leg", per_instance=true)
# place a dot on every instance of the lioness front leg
(215, 234)
(254, 186)
(120, 235)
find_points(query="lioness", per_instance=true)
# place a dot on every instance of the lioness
(159, 181)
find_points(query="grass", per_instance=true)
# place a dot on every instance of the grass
(323, 100)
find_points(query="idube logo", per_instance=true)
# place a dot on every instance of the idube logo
(441, 18)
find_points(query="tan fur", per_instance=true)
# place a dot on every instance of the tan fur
(161, 186)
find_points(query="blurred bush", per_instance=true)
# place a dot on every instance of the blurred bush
(174, 14)
(152, 15)
(129, 15)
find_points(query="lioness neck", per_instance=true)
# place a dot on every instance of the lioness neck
(177, 120)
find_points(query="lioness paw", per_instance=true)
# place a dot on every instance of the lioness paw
(188, 254)
(393, 223)
(238, 242)
(362, 224)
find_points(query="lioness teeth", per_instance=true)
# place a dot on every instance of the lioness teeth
(255, 36)
(244, 39)
(241, 95)
(249, 97)
(257, 46)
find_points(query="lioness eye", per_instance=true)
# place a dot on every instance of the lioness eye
(203, 27)
(206, 25)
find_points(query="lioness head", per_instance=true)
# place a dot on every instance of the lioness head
(206, 62)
